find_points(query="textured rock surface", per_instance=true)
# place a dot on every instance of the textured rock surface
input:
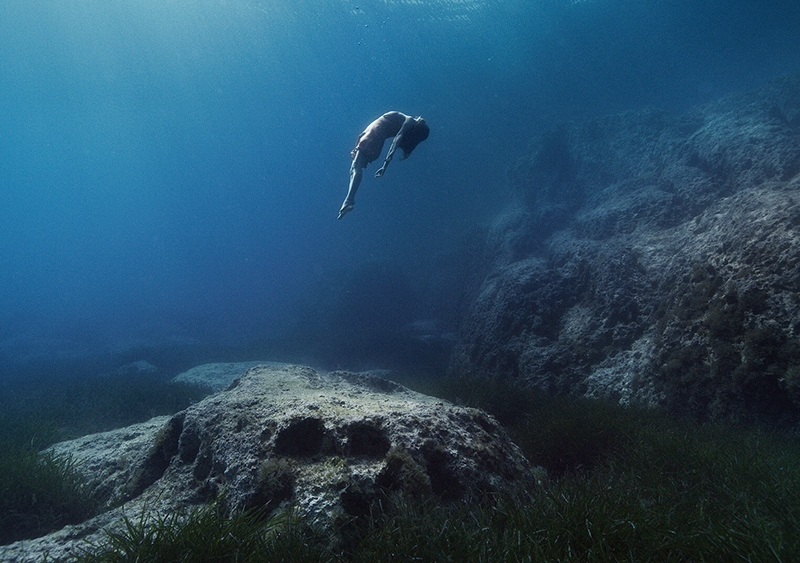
(330, 445)
(217, 376)
(653, 258)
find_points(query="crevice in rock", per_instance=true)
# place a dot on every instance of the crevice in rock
(161, 453)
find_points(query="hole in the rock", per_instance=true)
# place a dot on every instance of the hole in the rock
(276, 484)
(202, 467)
(444, 481)
(189, 445)
(367, 441)
(402, 472)
(302, 438)
(355, 502)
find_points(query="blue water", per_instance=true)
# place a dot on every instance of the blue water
(171, 170)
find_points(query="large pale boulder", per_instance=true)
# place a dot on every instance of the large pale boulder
(329, 445)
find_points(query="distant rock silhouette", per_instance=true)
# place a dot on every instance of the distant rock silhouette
(653, 259)
(332, 446)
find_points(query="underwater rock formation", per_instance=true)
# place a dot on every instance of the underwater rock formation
(653, 259)
(217, 376)
(333, 447)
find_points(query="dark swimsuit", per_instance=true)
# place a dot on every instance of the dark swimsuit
(370, 142)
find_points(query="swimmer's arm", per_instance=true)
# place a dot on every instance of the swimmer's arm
(407, 124)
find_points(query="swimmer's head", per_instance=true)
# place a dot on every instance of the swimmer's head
(414, 136)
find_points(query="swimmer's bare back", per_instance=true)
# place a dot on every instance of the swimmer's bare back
(406, 132)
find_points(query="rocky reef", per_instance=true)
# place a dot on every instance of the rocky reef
(652, 258)
(332, 447)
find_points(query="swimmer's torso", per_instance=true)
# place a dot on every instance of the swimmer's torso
(370, 142)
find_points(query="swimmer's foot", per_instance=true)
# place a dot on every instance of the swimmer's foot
(346, 208)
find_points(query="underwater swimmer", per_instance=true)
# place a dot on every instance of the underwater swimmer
(407, 131)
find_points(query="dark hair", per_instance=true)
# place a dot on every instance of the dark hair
(413, 137)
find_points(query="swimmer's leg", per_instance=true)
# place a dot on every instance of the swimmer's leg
(356, 169)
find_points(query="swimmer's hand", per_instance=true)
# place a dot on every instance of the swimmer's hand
(379, 172)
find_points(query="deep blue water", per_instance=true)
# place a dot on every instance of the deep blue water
(171, 170)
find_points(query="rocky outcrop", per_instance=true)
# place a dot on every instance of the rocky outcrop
(331, 446)
(217, 376)
(654, 259)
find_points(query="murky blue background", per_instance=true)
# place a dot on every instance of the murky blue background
(171, 170)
